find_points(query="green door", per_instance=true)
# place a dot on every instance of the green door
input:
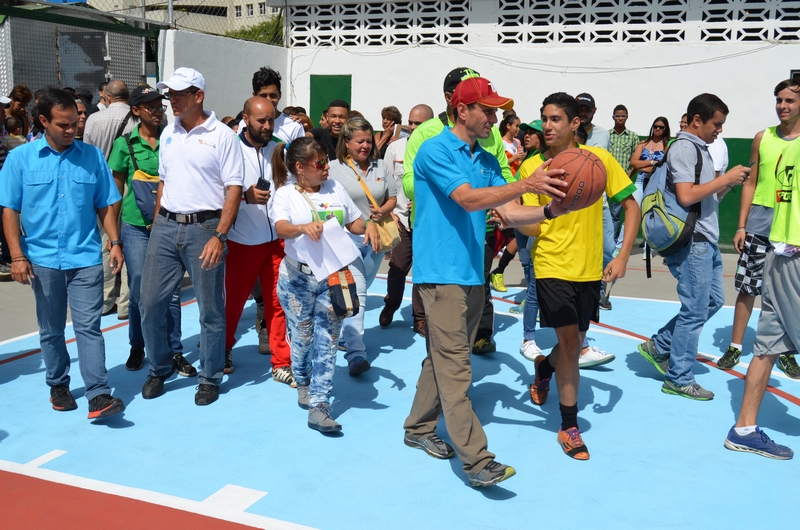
(326, 88)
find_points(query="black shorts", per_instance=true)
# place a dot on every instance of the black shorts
(564, 303)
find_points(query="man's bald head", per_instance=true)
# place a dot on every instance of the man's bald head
(259, 118)
(418, 115)
(117, 91)
(256, 104)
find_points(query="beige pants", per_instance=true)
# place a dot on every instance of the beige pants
(453, 313)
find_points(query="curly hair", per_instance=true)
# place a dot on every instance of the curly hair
(392, 113)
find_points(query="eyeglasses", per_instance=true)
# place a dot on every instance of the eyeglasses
(172, 94)
(659, 127)
(154, 110)
(415, 123)
(318, 164)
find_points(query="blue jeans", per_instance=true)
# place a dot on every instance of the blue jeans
(173, 250)
(531, 309)
(364, 271)
(698, 269)
(82, 289)
(637, 196)
(608, 236)
(313, 330)
(135, 250)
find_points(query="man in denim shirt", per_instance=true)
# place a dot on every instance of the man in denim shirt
(697, 266)
(59, 187)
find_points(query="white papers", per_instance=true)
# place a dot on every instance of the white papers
(333, 251)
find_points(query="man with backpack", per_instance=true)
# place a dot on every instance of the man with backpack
(696, 262)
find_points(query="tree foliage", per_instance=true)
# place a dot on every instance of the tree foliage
(269, 32)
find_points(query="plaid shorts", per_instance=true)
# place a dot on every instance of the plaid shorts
(750, 267)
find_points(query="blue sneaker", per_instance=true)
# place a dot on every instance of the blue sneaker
(518, 309)
(759, 443)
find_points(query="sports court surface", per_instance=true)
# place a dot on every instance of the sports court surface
(249, 460)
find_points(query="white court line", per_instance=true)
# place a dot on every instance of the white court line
(27, 335)
(161, 499)
(235, 498)
(52, 455)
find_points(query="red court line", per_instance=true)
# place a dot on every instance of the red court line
(70, 341)
(39, 503)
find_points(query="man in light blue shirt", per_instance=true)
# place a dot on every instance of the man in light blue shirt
(58, 187)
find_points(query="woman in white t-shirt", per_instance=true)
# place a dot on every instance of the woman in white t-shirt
(312, 325)
(509, 128)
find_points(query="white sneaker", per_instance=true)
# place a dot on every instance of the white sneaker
(530, 350)
(594, 357)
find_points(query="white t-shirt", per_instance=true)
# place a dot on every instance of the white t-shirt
(198, 165)
(512, 147)
(284, 128)
(719, 153)
(331, 200)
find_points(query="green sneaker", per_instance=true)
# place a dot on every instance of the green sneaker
(648, 351)
(730, 359)
(788, 364)
(518, 309)
(483, 346)
(498, 282)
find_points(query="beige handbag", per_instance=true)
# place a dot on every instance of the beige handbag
(387, 228)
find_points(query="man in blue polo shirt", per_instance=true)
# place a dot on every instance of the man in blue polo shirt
(455, 182)
(58, 187)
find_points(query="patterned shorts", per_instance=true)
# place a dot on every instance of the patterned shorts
(750, 267)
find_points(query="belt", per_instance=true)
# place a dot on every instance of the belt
(191, 218)
(302, 267)
(697, 237)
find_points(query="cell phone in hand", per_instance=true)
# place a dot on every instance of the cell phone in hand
(262, 184)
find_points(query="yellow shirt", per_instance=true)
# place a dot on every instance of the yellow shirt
(570, 247)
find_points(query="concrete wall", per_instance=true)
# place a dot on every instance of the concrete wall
(227, 65)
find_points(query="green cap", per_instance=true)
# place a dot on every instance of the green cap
(536, 125)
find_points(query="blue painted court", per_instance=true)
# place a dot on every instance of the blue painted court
(657, 461)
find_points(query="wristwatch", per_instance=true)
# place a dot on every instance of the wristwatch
(117, 243)
(222, 237)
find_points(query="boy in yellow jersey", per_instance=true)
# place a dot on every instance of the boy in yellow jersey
(755, 219)
(568, 257)
(778, 330)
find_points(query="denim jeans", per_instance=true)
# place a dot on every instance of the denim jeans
(637, 195)
(174, 249)
(313, 330)
(82, 289)
(364, 271)
(135, 250)
(531, 309)
(698, 269)
(608, 236)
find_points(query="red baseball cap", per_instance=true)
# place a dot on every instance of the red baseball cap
(479, 90)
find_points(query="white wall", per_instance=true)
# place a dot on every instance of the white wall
(226, 64)
(649, 80)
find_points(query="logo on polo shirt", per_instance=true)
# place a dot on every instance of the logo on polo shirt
(169, 140)
(206, 142)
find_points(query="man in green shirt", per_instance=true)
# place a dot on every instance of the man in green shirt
(494, 145)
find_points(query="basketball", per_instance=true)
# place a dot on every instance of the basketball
(585, 176)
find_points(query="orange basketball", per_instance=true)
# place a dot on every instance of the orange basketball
(585, 174)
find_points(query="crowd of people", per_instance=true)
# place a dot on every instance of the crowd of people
(107, 207)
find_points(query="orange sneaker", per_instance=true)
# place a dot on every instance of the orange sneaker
(572, 443)
(539, 389)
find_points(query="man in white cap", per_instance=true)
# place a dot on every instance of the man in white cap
(201, 171)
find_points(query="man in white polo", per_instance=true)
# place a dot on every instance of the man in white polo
(201, 172)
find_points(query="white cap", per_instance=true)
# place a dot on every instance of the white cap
(182, 79)
(4, 100)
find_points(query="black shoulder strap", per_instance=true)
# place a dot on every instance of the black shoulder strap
(130, 150)
(445, 120)
(123, 124)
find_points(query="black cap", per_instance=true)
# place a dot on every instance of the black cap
(144, 94)
(585, 100)
(456, 76)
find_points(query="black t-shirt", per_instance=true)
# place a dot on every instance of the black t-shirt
(324, 137)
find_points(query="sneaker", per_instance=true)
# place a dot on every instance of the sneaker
(432, 444)
(730, 358)
(759, 443)
(358, 365)
(183, 367)
(135, 359)
(498, 282)
(206, 395)
(259, 317)
(594, 356)
(154, 386)
(283, 374)
(421, 327)
(605, 304)
(492, 474)
(530, 350)
(693, 391)
(341, 347)
(572, 443)
(62, 399)
(228, 362)
(539, 389)
(651, 355)
(104, 405)
(263, 341)
(319, 419)
(302, 396)
(788, 364)
(518, 309)
(484, 346)
(5, 272)
(386, 316)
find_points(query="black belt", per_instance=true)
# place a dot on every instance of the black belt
(697, 237)
(191, 218)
